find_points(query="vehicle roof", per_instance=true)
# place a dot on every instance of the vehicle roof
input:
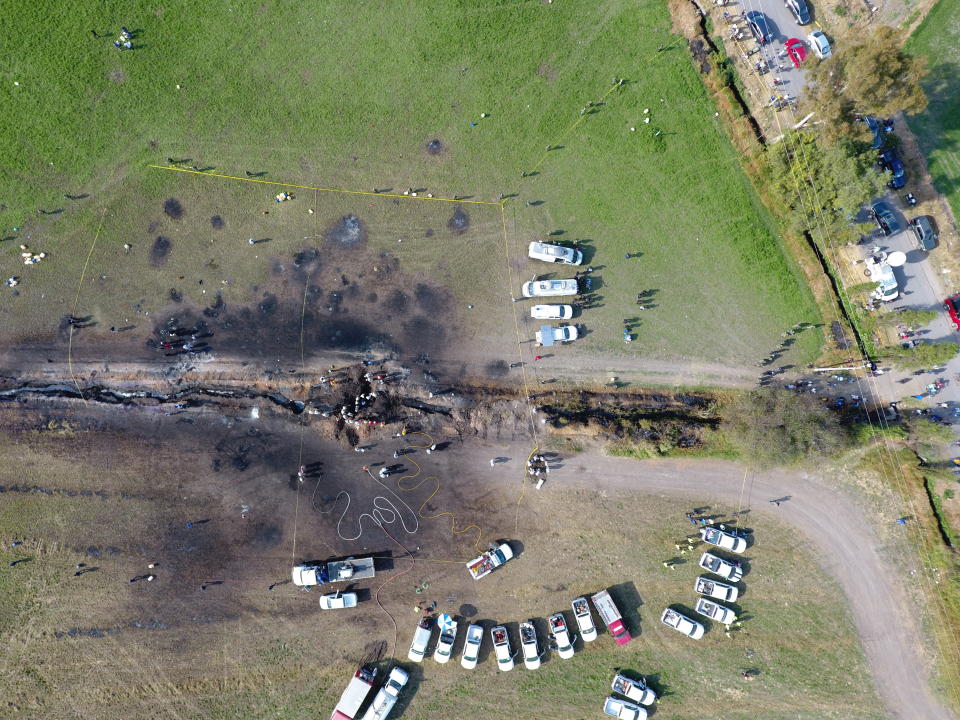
(882, 206)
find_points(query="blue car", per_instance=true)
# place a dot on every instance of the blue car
(892, 162)
(760, 27)
(874, 126)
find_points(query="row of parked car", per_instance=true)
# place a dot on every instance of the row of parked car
(560, 635)
(921, 226)
(762, 32)
(710, 589)
(563, 255)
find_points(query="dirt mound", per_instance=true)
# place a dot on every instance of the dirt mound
(173, 208)
(159, 251)
(347, 232)
(459, 221)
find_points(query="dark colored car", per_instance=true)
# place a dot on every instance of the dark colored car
(892, 162)
(952, 305)
(799, 9)
(874, 126)
(923, 230)
(885, 218)
(760, 27)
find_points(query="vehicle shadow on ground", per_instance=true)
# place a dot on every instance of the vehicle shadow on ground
(628, 601)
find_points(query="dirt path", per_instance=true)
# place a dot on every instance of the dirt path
(832, 520)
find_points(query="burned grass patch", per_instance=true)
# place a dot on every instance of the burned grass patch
(217, 223)
(160, 250)
(173, 208)
(459, 222)
(348, 232)
(435, 147)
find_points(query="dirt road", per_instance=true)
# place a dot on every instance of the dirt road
(833, 522)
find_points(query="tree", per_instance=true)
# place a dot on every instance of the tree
(775, 427)
(924, 355)
(823, 187)
(871, 75)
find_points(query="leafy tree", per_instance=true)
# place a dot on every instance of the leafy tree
(823, 187)
(870, 75)
(924, 355)
(774, 427)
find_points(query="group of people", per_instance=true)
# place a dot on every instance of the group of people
(124, 42)
(537, 465)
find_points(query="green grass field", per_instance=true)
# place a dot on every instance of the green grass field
(938, 128)
(349, 99)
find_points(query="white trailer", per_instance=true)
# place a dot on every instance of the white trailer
(309, 574)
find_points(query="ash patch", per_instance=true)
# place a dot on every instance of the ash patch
(435, 147)
(497, 369)
(459, 221)
(160, 250)
(268, 306)
(173, 208)
(398, 301)
(217, 223)
(429, 299)
(421, 331)
(347, 232)
(175, 295)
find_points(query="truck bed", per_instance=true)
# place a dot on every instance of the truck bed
(362, 568)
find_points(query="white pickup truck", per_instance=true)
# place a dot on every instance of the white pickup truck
(714, 589)
(681, 623)
(488, 562)
(723, 538)
(719, 566)
(529, 646)
(501, 647)
(547, 335)
(635, 690)
(561, 635)
(471, 647)
(581, 612)
(444, 649)
(715, 611)
(387, 697)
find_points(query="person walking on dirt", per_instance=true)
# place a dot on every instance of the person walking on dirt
(538, 357)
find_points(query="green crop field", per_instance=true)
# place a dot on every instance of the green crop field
(354, 98)
(938, 128)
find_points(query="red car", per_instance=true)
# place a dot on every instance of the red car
(796, 50)
(952, 304)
